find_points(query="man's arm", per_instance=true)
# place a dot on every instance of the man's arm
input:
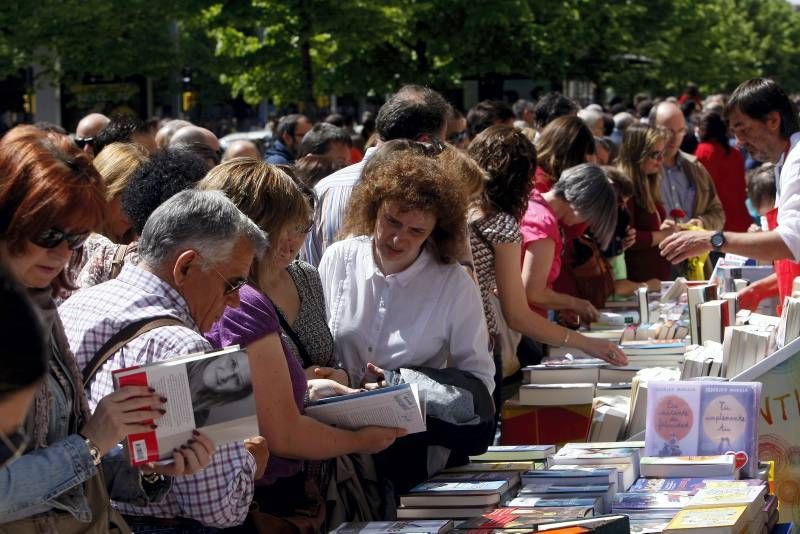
(763, 246)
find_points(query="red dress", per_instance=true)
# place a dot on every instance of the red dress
(727, 171)
(643, 260)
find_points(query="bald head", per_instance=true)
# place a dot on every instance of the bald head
(199, 141)
(241, 149)
(165, 133)
(91, 124)
(669, 116)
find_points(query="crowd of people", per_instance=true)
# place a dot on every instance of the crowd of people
(434, 247)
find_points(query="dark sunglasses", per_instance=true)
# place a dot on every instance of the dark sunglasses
(12, 445)
(52, 237)
(83, 141)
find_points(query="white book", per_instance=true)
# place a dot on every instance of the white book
(394, 406)
(556, 394)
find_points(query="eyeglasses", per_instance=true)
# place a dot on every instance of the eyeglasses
(656, 154)
(12, 445)
(83, 141)
(304, 228)
(52, 237)
(232, 285)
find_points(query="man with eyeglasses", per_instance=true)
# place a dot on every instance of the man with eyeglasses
(288, 135)
(765, 123)
(685, 183)
(87, 129)
(195, 253)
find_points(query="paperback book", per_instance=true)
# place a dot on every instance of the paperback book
(209, 392)
(419, 526)
(704, 418)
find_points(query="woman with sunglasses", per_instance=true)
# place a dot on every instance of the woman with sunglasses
(281, 320)
(640, 158)
(51, 198)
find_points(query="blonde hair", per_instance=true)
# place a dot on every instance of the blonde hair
(261, 191)
(116, 163)
(639, 140)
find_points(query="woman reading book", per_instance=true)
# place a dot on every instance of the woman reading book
(51, 198)
(280, 383)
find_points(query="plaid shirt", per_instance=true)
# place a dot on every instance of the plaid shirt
(333, 193)
(219, 495)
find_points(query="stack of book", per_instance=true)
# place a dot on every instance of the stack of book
(733, 505)
(697, 295)
(789, 328)
(745, 346)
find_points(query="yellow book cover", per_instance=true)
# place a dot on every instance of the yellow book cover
(697, 518)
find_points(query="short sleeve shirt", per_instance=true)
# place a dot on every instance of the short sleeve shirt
(254, 319)
(540, 222)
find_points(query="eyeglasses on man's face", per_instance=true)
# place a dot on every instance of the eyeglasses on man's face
(83, 141)
(232, 285)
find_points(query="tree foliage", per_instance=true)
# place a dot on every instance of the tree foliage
(298, 50)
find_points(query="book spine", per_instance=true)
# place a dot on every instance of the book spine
(143, 446)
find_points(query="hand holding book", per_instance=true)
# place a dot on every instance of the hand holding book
(257, 447)
(190, 458)
(121, 413)
(377, 372)
(322, 388)
(339, 375)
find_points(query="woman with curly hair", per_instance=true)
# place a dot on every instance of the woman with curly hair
(510, 160)
(395, 292)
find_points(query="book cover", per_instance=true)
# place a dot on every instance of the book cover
(727, 496)
(670, 500)
(209, 392)
(432, 489)
(703, 419)
(686, 466)
(698, 518)
(551, 502)
(478, 467)
(687, 484)
(525, 517)
(510, 453)
(419, 526)
(595, 455)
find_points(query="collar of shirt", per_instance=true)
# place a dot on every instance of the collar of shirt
(405, 276)
(150, 283)
(793, 141)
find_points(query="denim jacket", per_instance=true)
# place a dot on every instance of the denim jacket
(51, 478)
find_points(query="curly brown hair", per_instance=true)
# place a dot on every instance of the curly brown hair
(416, 182)
(510, 159)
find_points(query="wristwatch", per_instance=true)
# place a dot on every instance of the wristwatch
(717, 240)
(94, 452)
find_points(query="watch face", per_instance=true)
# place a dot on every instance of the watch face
(717, 240)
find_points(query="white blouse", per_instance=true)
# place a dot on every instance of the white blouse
(429, 315)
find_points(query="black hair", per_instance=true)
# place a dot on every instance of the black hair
(288, 124)
(319, 138)
(487, 113)
(337, 119)
(310, 169)
(644, 107)
(164, 174)
(411, 112)
(758, 97)
(713, 128)
(552, 106)
(24, 360)
(120, 129)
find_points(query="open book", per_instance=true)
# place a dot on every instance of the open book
(210, 392)
(395, 406)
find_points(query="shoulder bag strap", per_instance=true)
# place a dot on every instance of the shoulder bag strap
(122, 338)
(119, 260)
(294, 337)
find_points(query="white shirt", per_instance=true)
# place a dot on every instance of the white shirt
(787, 172)
(429, 315)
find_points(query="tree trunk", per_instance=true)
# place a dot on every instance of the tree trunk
(305, 59)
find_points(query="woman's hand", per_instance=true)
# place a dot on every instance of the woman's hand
(339, 375)
(322, 388)
(190, 458)
(380, 379)
(586, 310)
(374, 439)
(605, 350)
(257, 447)
(121, 413)
(630, 238)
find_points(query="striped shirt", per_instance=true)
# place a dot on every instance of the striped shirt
(220, 494)
(333, 192)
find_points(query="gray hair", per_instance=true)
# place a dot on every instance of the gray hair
(205, 221)
(622, 120)
(588, 189)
